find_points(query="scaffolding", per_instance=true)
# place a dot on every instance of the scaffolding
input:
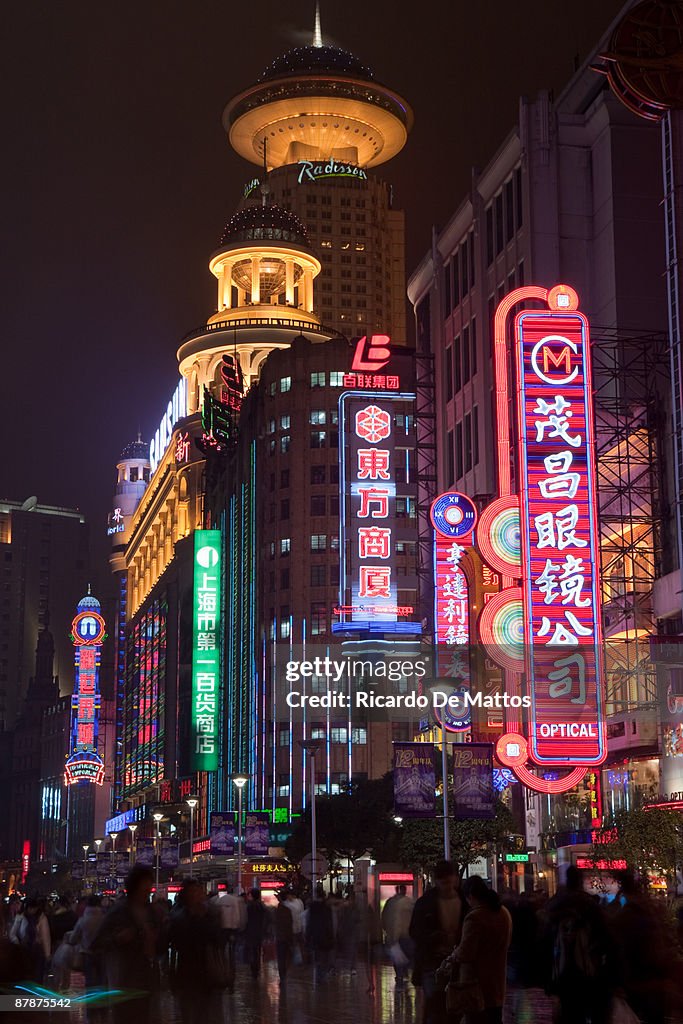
(632, 389)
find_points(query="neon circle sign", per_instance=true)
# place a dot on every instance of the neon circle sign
(88, 628)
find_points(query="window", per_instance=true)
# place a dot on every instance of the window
(520, 273)
(339, 783)
(509, 211)
(285, 624)
(471, 255)
(334, 543)
(271, 426)
(449, 374)
(284, 443)
(499, 222)
(318, 474)
(447, 288)
(334, 575)
(465, 266)
(285, 384)
(457, 361)
(339, 734)
(317, 416)
(318, 505)
(272, 481)
(271, 550)
(458, 451)
(475, 435)
(284, 579)
(284, 478)
(283, 737)
(133, 474)
(468, 442)
(318, 380)
(271, 447)
(317, 439)
(489, 236)
(272, 388)
(518, 198)
(336, 379)
(359, 734)
(285, 545)
(465, 354)
(283, 786)
(450, 460)
(456, 281)
(284, 508)
(318, 731)
(334, 473)
(318, 575)
(473, 345)
(318, 618)
(334, 505)
(285, 422)
(271, 512)
(318, 542)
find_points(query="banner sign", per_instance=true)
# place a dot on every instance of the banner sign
(559, 533)
(84, 764)
(473, 792)
(169, 854)
(222, 834)
(256, 834)
(145, 852)
(414, 780)
(206, 650)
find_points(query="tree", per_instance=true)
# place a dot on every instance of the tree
(421, 842)
(649, 840)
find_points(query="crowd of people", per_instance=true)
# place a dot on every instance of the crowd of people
(462, 945)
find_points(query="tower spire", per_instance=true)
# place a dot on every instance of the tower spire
(317, 31)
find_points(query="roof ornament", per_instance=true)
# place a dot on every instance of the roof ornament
(317, 31)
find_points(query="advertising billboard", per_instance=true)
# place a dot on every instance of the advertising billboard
(206, 612)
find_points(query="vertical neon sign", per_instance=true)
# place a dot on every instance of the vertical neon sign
(84, 764)
(206, 613)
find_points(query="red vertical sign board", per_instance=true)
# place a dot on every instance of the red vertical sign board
(559, 534)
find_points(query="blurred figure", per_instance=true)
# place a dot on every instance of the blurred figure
(435, 928)
(284, 936)
(481, 954)
(646, 959)
(62, 920)
(81, 939)
(582, 968)
(31, 931)
(232, 913)
(127, 942)
(296, 909)
(197, 974)
(320, 935)
(255, 932)
(396, 917)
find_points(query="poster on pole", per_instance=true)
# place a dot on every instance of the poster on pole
(473, 792)
(169, 855)
(222, 833)
(414, 780)
(256, 834)
(144, 852)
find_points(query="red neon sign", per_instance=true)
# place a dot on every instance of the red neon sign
(601, 865)
(373, 355)
(396, 876)
(559, 532)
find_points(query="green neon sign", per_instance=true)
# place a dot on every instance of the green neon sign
(206, 624)
(517, 858)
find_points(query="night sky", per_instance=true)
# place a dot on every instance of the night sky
(118, 178)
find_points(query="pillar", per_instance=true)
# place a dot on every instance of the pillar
(255, 280)
(289, 282)
(225, 287)
(308, 291)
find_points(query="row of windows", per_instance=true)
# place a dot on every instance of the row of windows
(358, 246)
(311, 200)
(463, 446)
(459, 274)
(318, 507)
(321, 576)
(318, 439)
(338, 734)
(461, 359)
(504, 217)
(319, 542)
(318, 475)
(317, 417)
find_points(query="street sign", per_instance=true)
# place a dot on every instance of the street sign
(308, 868)
(517, 858)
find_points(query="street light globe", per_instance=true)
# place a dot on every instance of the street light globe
(113, 835)
(133, 828)
(157, 817)
(192, 802)
(98, 843)
(240, 780)
(86, 847)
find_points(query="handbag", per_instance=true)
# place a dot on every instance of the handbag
(463, 997)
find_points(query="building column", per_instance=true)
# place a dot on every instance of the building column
(241, 297)
(289, 282)
(308, 291)
(225, 287)
(255, 280)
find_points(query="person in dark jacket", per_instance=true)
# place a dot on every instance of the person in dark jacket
(194, 936)
(435, 928)
(255, 932)
(284, 936)
(320, 935)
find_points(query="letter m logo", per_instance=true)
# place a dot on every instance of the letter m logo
(557, 359)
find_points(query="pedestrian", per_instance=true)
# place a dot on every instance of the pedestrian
(232, 914)
(435, 928)
(396, 916)
(198, 968)
(582, 967)
(480, 958)
(62, 920)
(31, 931)
(255, 932)
(296, 908)
(81, 939)
(284, 936)
(127, 943)
(320, 935)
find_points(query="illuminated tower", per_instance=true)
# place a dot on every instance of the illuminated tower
(319, 121)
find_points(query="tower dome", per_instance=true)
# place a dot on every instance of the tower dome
(264, 223)
(135, 450)
(309, 60)
(89, 603)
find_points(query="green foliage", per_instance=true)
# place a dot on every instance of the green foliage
(648, 840)
(422, 840)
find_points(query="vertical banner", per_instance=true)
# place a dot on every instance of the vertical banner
(206, 611)
(414, 780)
(144, 852)
(222, 834)
(559, 533)
(84, 764)
(169, 856)
(256, 834)
(473, 792)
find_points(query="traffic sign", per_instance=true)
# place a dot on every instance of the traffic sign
(517, 858)
(309, 869)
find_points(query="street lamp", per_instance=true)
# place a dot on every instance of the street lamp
(442, 688)
(157, 818)
(312, 747)
(112, 836)
(191, 803)
(131, 859)
(86, 847)
(240, 781)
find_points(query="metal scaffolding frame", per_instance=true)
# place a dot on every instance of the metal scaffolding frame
(631, 391)
(425, 430)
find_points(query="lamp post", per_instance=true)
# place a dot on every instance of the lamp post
(131, 859)
(312, 747)
(86, 847)
(112, 836)
(440, 688)
(157, 819)
(191, 803)
(240, 781)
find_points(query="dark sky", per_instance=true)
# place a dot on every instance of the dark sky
(117, 179)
